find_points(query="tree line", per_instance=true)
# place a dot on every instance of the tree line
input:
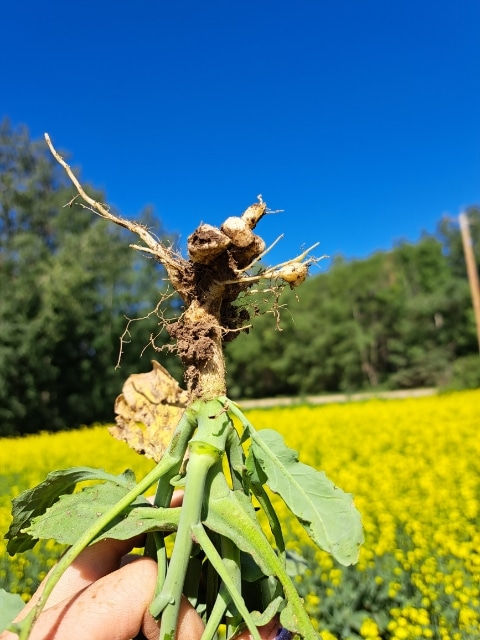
(398, 319)
(69, 282)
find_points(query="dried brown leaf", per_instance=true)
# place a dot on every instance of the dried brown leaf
(148, 410)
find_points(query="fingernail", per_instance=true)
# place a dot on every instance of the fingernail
(283, 634)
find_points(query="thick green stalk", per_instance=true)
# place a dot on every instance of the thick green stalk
(202, 458)
(206, 449)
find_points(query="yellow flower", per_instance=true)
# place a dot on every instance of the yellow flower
(411, 466)
(369, 629)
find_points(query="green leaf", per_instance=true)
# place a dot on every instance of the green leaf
(258, 479)
(72, 515)
(326, 512)
(10, 605)
(251, 572)
(233, 516)
(34, 502)
(289, 620)
(263, 618)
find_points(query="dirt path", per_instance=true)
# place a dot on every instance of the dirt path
(336, 398)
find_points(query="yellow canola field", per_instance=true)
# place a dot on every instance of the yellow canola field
(413, 467)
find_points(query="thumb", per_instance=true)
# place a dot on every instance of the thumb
(115, 607)
(271, 631)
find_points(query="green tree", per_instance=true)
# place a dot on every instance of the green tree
(398, 319)
(68, 280)
(257, 364)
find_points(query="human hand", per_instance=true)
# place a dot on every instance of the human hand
(105, 595)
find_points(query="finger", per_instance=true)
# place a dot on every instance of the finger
(189, 627)
(92, 563)
(176, 501)
(177, 498)
(113, 608)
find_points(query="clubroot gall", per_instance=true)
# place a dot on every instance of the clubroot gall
(232, 570)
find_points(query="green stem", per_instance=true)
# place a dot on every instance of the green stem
(236, 460)
(155, 543)
(206, 449)
(251, 539)
(218, 564)
(217, 613)
(231, 561)
(258, 541)
(202, 458)
(273, 521)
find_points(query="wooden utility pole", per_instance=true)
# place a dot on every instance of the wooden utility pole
(471, 270)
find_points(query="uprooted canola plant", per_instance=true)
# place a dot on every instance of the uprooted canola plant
(412, 467)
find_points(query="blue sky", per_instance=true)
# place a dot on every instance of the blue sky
(359, 118)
